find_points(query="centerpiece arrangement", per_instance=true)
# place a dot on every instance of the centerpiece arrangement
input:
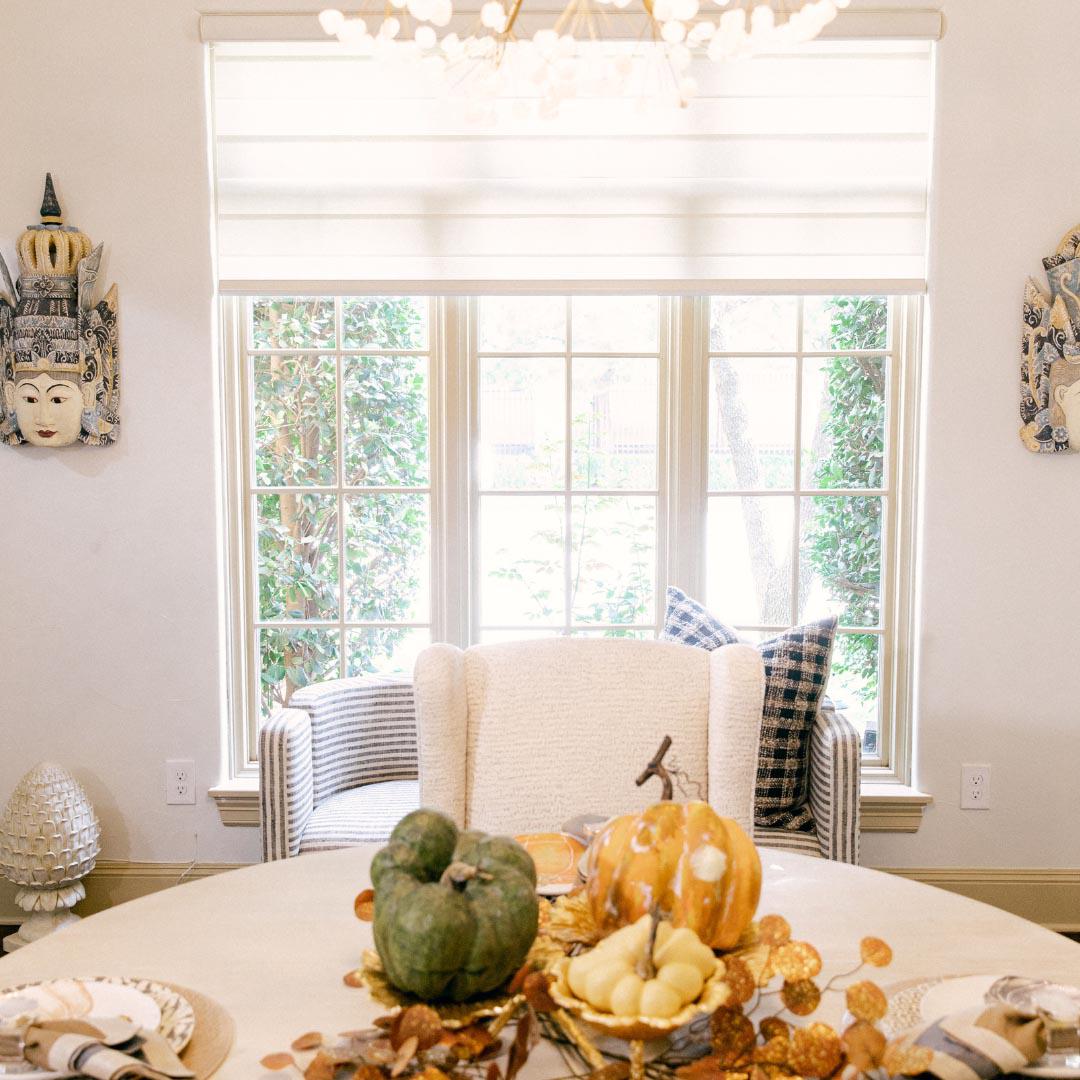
(658, 946)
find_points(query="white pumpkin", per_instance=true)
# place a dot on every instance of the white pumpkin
(609, 979)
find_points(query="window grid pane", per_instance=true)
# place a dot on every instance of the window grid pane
(569, 459)
(339, 483)
(827, 434)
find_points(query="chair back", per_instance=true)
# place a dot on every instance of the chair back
(559, 727)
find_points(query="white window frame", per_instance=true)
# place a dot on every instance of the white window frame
(681, 505)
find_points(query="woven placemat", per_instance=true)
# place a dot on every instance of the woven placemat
(213, 1037)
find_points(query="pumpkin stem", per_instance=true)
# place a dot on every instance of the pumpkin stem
(646, 966)
(655, 768)
(459, 874)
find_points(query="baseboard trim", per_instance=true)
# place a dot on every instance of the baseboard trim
(1049, 896)
(114, 881)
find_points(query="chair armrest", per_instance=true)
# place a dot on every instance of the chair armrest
(442, 721)
(736, 693)
(835, 764)
(363, 731)
(285, 782)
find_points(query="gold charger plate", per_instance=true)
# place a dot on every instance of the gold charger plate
(556, 855)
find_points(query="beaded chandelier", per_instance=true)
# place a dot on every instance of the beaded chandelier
(577, 54)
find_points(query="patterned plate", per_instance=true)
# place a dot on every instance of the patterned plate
(556, 855)
(171, 1012)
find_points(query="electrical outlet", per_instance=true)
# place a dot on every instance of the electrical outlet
(974, 787)
(179, 782)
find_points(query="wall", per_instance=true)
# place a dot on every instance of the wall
(998, 677)
(113, 651)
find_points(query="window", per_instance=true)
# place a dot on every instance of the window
(338, 488)
(799, 487)
(410, 469)
(568, 465)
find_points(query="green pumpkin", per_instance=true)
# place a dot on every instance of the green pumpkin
(455, 912)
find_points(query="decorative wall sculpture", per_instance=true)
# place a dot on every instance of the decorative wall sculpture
(1050, 355)
(58, 349)
(49, 841)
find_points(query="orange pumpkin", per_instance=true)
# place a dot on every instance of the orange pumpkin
(701, 869)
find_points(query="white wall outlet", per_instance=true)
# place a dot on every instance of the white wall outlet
(179, 782)
(974, 787)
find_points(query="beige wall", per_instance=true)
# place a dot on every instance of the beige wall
(112, 650)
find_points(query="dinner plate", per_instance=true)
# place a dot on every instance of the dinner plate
(919, 1002)
(149, 1004)
(556, 855)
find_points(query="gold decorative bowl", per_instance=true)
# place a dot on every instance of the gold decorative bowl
(713, 994)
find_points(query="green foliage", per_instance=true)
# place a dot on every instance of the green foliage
(385, 427)
(843, 541)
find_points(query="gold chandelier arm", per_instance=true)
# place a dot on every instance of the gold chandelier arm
(512, 17)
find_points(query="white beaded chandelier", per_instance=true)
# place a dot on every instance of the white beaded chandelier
(577, 55)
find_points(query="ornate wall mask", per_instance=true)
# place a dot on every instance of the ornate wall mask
(58, 349)
(1050, 354)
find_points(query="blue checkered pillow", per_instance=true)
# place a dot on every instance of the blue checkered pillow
(688, 623)
(797, 664)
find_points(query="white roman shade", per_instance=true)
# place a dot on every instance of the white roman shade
(335, 173)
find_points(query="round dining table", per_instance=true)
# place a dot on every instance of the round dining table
(272, 942)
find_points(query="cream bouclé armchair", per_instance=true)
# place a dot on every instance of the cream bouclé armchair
(525, 735)
(522, 736)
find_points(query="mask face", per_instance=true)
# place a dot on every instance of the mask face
(48, 410)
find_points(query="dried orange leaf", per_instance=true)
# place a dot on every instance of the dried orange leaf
(774, 930)
(430, 1072)
(421, 1022)
(617, 1070)
(733, 1036)
(276, 1062)
(815, 1050)
(471, 1042)
(801, 996)
(535, 988)
(522, 1044)
(518, 981)
(321, 1067)
(796, 960)
(874, 951)
(312, 1040)
(866, 1001)
(364, 905)
(740, 980)
(774, 1052)
(708, 1068)
(864, 1045)
(493, 1072)
(904, 1058)
(773, 1027)
(368, 1072)
(405, 1053)
(354, 978)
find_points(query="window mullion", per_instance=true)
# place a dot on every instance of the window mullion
(339, 473)
(688, 442)
(796, 527)
(568, 462)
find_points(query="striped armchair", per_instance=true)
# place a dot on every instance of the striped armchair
(340, 767)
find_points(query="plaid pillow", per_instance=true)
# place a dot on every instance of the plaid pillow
(797, 666)
(688, 623)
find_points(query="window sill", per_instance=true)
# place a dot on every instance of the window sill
(238, 801)
(891, 807)
(885, 807)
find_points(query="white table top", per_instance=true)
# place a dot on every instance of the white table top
(272, 942)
